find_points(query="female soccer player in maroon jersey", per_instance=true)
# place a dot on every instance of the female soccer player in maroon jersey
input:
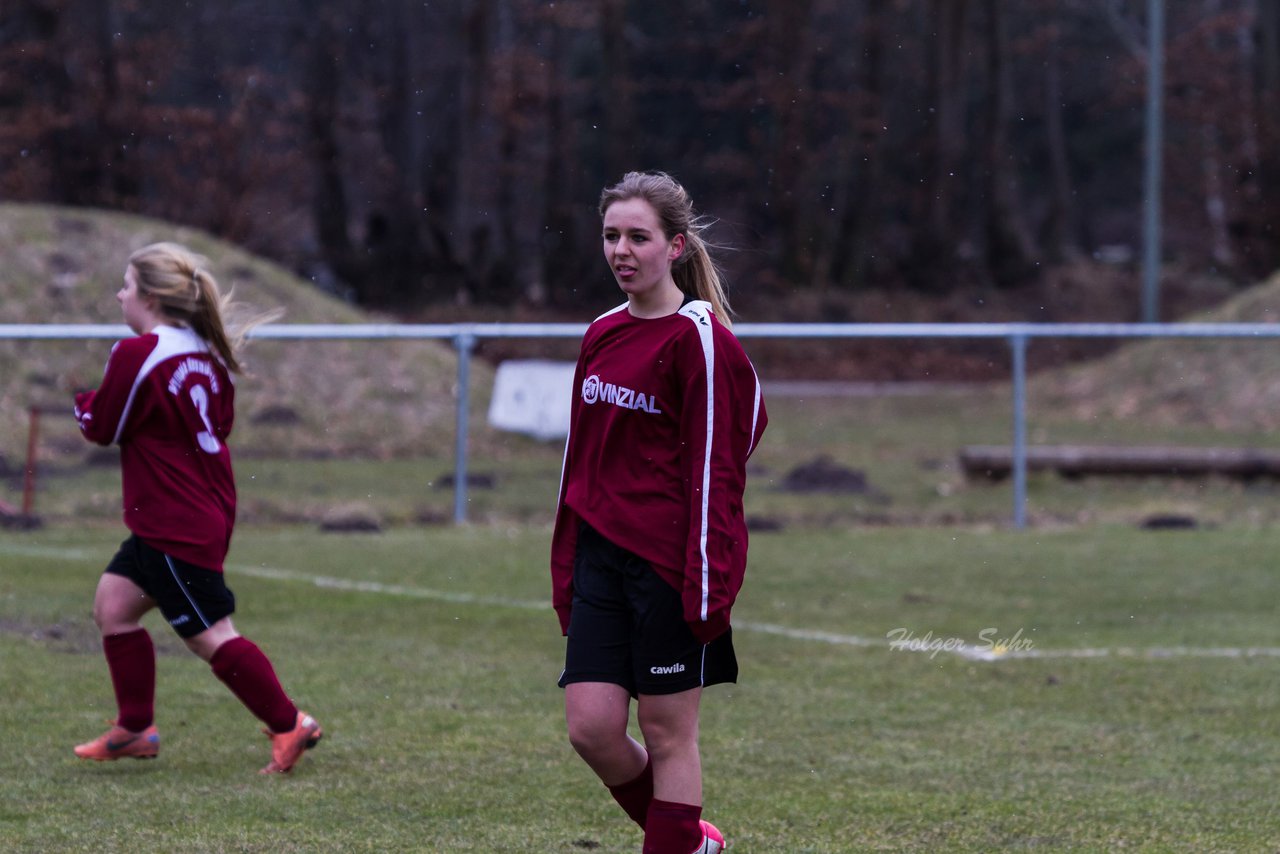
(167, 400)
(650, 542)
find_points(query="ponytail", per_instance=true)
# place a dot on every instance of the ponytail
(207, 320)
(188, 294)
(697, 275)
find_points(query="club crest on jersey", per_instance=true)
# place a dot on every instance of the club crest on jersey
(593, 390)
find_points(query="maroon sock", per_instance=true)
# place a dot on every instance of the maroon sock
(131, 658)
(634, 796)
(672, 828)
(246, 670)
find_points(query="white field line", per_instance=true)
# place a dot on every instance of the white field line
(58, 552)
(993, 652)
(387, 589)
(807, 634)
(1151, 653)
(971, 652)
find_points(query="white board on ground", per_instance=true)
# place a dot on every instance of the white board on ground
(532, 397)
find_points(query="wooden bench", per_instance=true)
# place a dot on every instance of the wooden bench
(995, 462)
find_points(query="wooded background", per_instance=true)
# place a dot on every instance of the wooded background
(409, 153)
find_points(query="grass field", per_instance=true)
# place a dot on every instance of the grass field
(1141, 717)
(430, 656)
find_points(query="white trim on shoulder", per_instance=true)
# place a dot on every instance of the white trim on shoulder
(171, 341)
(613, 310)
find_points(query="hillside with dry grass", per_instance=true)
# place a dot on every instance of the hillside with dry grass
(330, 398)
(392, 399)
(1222, 384)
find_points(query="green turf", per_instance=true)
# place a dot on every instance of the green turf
(430, 658)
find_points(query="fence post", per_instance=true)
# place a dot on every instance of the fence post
(464, 343)
(1018, 341)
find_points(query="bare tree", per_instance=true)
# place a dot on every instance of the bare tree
(858, 172)
(1215, 200)
(938, 250)
(1061, 226)
(1010, 255)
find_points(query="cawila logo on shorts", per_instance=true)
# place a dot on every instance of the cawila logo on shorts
(595, 390)
(669, 670)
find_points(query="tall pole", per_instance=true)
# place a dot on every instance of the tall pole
(1151, 182)
(463, 343)
(29, 477)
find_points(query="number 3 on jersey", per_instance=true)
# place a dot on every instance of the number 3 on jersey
(208, 442)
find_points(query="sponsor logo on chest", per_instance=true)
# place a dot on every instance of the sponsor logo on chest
(594, 390)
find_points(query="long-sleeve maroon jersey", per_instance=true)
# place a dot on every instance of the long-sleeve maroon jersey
(665, 413)
(169, 404)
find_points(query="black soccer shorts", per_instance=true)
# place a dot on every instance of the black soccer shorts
(627, 627)
(191, 597)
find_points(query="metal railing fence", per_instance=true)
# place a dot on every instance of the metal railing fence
(464, 337)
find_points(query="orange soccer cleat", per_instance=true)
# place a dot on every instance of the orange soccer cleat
(118, 743)
(287, 747)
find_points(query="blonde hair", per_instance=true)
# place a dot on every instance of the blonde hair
(695, 271)
(187, 293)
